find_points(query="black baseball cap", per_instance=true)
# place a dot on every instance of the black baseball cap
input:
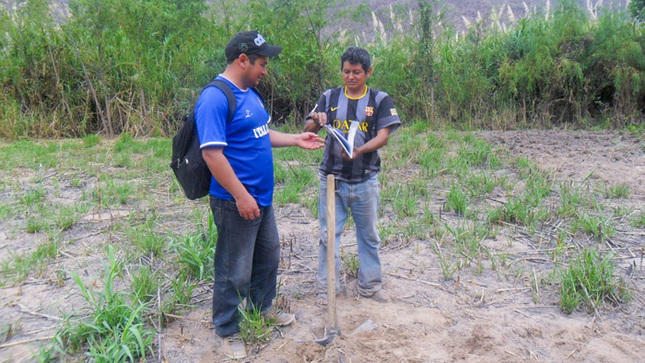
(251, 42)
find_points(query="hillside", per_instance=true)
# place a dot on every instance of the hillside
(454, 11)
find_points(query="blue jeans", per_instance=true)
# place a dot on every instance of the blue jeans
(363, 200)
(246, 263)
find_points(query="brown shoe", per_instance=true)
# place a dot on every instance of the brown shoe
(233, 347)
(380, 296)
(281, 318)
(321, 299)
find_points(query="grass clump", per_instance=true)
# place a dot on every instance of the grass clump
(456, 200)
(114, 328)
(146, 240)
(35, 224)
(67, 215)
(350, 264)
(144, 284)
(91, 140)
(196, 252)
(255, 328)
(589, 282)
(33, 197)
(571, 199)
(639, 220)
(404, 199)
(181, 292)
(616, 191)
(292, 183)
(593, 224)
(19, 266)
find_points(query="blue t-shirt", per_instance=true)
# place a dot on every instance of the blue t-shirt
(245, 139)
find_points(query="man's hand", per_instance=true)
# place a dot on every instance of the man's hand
(309, 141)
(355, 154)
(374, 144)
(223, 172)
(315, 121)
(320, 118)
(248, 207)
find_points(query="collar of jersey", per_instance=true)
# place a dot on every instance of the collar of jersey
(233, 83)
(354, 98)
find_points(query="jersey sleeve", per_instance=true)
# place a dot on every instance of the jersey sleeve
(211, 112)
(386, 115)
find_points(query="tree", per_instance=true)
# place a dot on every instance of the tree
(636, 8)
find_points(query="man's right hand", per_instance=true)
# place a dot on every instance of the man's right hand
(247, 207)
(320, 118)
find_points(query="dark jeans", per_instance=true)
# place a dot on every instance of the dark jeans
(246, 263)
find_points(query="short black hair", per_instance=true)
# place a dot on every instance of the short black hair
(252, 58)
(356, 55)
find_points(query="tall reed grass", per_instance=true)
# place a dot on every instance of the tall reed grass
(113, 66)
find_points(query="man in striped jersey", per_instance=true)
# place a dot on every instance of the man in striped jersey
(357, 186)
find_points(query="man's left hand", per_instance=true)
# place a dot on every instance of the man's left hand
(355, 154)
(309, 141)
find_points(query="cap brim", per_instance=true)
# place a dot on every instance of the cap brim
(270, 51)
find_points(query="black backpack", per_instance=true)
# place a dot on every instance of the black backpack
(187, 162)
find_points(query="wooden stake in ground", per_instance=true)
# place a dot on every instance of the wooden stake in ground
(332, 328)
(331, 244)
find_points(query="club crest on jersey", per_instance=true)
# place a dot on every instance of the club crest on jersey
(369, 111)
(393, 112)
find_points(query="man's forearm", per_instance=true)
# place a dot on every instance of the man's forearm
(279, 139)
(376, 143)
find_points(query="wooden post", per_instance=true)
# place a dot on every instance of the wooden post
(331, 246)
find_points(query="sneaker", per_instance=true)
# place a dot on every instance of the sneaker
(380, 296)
(234, 347)
(281, 318)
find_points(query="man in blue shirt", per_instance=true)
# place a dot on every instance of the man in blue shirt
(239, 155)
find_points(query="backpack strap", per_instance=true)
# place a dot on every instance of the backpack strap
(230, 96)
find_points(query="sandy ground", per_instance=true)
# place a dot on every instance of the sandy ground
(483, 317)
(477, 316)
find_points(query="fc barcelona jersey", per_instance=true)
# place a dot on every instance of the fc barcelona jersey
(373, 111)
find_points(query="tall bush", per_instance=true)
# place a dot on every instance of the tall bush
(112, 66)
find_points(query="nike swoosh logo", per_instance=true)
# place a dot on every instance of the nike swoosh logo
(332, 109)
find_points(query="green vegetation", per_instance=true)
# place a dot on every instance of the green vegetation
(114, 330)
(456, 200)
(196, 252)
(617, 191)
(144, 285)
(350, 263)
(137, 72)
(255, 328)
(589, 281)
(20, 265)
(636, 8)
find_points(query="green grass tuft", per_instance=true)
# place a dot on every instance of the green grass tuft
(589, 282)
